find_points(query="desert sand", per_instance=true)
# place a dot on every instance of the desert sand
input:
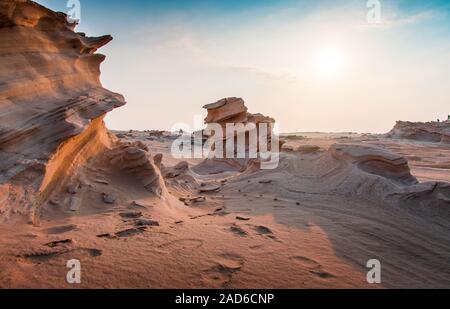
(136, 217)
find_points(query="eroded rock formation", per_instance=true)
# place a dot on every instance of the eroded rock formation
(422, 131)
(233, 111)
(254, 129)
(135, 159)
(376, 161)
(373, 172)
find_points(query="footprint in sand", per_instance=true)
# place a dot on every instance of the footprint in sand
(42, 256)
(263, 230)
(128, 232)
(323, 274)
(94, 252)
(256, 247)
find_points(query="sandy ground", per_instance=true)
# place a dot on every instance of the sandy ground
(285, 228)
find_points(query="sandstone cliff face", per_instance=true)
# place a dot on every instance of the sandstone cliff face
(52, 103)
(422, 131)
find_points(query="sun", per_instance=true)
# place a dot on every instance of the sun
(328, 62)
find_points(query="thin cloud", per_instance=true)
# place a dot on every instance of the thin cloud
(393, 21)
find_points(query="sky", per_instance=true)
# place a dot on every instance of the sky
(312, 65)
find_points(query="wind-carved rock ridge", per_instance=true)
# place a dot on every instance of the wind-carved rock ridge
(233, 111)
(134, 159)
(52, 103)
(381, 174)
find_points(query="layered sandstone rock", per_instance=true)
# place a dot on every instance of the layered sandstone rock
(376, 161)
(254, 129)
(374, 172)
(234, 112)
(135, 159)
(52, 103)
(422, 131)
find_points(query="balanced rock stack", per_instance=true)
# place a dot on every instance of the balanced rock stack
(135, 159)
(233, 111)
(52, 103)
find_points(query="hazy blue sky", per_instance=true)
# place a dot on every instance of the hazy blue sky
(313, 65)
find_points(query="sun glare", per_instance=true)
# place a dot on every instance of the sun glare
(328, 62)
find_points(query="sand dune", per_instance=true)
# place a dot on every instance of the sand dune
(427, 132)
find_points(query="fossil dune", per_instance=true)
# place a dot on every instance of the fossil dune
(137, 217)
